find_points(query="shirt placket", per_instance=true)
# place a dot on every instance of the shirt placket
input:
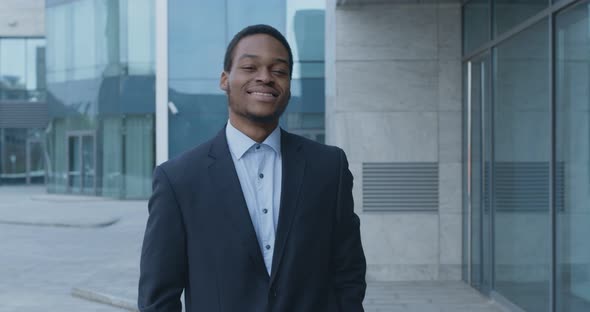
(263, 195)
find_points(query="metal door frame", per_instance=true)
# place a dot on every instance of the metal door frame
(80, 134)
(485, 87)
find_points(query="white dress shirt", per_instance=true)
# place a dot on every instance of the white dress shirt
(259, 168)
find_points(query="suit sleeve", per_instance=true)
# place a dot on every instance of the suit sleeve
(163, 265)
(349, 262)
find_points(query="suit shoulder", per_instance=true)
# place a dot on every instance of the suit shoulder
(187, 162)
(318, 149)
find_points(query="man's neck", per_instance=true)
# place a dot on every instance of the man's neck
(255, 131)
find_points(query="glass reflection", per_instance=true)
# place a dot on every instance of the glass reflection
(476, 24)
(22, 69)
(521, 169)
(573, 158)
(509, 13)
(100, 80)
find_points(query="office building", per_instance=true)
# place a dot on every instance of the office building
(23, 107)
(466, 124)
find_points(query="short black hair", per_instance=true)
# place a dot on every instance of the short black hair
(255, 30)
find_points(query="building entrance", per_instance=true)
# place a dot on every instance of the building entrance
(81, 163)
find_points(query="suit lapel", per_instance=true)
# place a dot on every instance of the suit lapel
(293, 169)
(228, 191)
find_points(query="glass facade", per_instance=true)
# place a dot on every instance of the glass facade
(509, 13)
(195, 63)
(22, 69)
(101, 97)
(22, 81)
(522, 145)
(21, 156)
(475, 29)
(526, 153)
(572, 100)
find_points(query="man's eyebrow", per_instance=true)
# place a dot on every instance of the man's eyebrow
(281, 60)
(278, 59)
(243, 56)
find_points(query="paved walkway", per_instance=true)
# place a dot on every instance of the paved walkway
(62, 253)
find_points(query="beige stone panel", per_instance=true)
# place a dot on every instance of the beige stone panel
(386, 32)
(450, 137)
(388, 137)
(450, 86)
(387, 86)
(450, 238)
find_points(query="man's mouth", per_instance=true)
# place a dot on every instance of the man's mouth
(267, 94)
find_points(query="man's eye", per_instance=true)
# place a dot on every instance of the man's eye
(248, 68)
(281, 72)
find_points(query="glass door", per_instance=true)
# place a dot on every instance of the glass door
(572, 166)
(81, 163)
(478, 172)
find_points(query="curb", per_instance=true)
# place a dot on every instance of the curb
(63, 225)
(103, 298)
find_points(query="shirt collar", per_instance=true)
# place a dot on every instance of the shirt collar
(239, 143)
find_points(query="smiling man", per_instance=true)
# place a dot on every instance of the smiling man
(256, 219)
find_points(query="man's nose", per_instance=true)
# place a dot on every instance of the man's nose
(264, 76)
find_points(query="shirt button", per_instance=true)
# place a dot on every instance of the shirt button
(265, 210)
(261, 175)
(267, 247)
(257, 146)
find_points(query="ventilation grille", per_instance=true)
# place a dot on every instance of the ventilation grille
(400, 186)
(524, 186)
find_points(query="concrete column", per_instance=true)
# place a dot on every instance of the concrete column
(393, 94)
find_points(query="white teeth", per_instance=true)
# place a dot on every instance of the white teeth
(263, 94)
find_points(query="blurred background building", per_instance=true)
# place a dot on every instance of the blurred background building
(101, 97)
(466, 123)
(23, 106)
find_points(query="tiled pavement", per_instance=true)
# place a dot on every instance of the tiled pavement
(57, 250)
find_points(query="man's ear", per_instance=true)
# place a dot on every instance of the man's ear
(223, 83)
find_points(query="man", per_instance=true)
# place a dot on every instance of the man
(257, 219)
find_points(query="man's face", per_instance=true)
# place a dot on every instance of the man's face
(258, 84)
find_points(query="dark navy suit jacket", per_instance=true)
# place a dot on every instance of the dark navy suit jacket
(199, 236)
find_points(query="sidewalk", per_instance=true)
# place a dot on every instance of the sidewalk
(31, 205)
(58, 250)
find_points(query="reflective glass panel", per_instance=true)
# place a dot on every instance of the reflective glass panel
(13, 155)
(139, 160)
(83, 40)
(476, 24)
(137, 29)
(573, 158)
(58, 42)
(112, 151)
(36, 162)
(35, 55)
(509, 13)
(522, 145)
(100, 79)
(13, 81)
